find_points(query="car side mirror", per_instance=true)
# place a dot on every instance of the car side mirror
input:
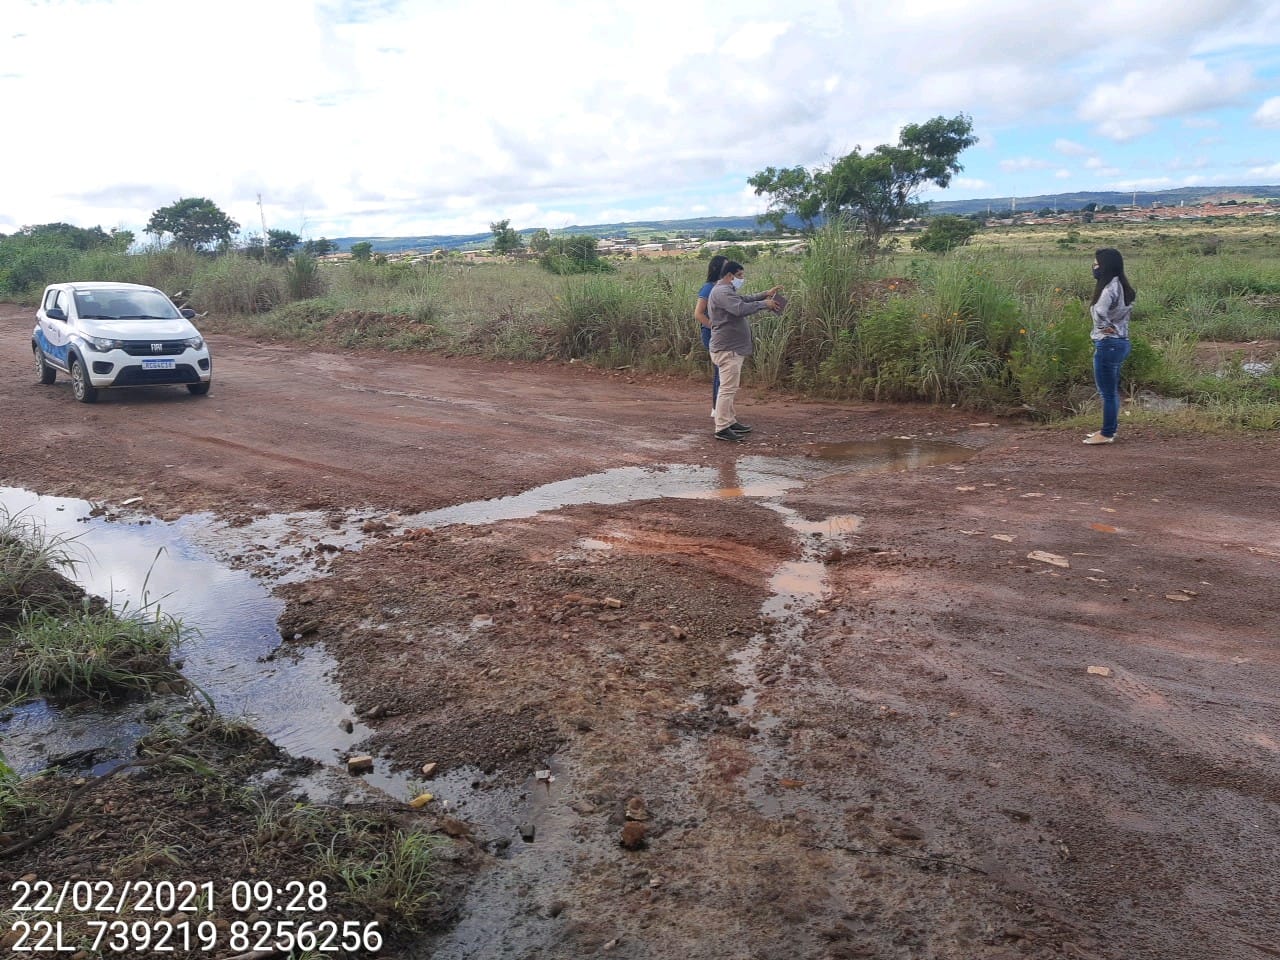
(56, 313)
(188, 313)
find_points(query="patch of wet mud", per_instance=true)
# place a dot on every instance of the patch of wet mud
(289, 695)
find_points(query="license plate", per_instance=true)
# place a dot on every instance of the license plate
(157, 364)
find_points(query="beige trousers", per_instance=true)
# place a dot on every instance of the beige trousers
(730, 366)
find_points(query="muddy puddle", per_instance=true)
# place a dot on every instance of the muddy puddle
(218, 578)
(228, 652)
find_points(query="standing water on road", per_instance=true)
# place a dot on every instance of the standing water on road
(291, 698)
(231, 617)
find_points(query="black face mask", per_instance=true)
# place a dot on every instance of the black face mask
(1097, 273)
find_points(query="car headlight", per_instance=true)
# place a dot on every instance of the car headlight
(103, 344)
(195, 343)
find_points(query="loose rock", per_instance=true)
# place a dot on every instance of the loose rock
(633, 835)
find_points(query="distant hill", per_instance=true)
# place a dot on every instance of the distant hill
(704, 225)
(641, 228)
(1074, 201)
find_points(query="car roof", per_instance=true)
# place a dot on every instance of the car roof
(100, 285)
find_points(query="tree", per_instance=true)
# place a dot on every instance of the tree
(281, 243)
(65, 235)
(945, 233)
(505, 239)
(194, 222)
(318, 248)
(540, 241)
(577, 253)
(362, 251)
(876, 190)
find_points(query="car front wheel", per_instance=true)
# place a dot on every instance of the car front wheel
(81, 388)
(45, 373)
(200, 389)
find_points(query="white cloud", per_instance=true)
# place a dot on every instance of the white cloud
(1126, 109)
(1268, 173)
(1268, 115)
(1062, 174)
(1018, 164)
(419, 116)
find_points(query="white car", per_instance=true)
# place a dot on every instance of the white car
(117, 335)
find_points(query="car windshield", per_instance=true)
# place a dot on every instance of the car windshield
(121, 304)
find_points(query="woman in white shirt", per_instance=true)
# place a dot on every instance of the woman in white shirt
(1111, 307)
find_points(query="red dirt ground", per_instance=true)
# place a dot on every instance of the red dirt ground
(920, 765)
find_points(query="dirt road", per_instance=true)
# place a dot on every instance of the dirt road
(863, 697)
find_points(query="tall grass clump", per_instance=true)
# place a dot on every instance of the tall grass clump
(392, 873)
(235, 285)
(413, 290)
(830, 275)
(29, 563)
(55, 640)
(89, 652)
(302, 277)
(609, 318)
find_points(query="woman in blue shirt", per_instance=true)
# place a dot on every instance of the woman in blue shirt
(714, 269)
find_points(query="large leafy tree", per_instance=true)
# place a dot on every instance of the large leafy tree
(540, 240)
(505, 238)
(876, 190)
(281, 243)
(193, 222)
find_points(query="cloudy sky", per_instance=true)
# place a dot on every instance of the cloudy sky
(407, 117)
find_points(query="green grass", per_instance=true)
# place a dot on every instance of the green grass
(88, 653)
(56, 641)
(29, 561)
(385, 871)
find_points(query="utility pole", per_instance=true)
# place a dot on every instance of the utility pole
(263, 217)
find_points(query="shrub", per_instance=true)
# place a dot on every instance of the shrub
(302, 276)
(576, 253)
(944, 234)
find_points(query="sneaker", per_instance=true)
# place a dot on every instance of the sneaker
(739, 427)
(1098, 438)
(728, 433)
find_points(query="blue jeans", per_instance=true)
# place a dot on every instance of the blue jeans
(715, 381)
(1109, 355)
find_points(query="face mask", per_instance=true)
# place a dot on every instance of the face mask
(1097, 273)
(738, 282)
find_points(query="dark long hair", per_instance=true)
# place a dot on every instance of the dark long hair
(715, 266)
(1110, 266)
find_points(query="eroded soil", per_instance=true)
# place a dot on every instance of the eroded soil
(914, 760)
